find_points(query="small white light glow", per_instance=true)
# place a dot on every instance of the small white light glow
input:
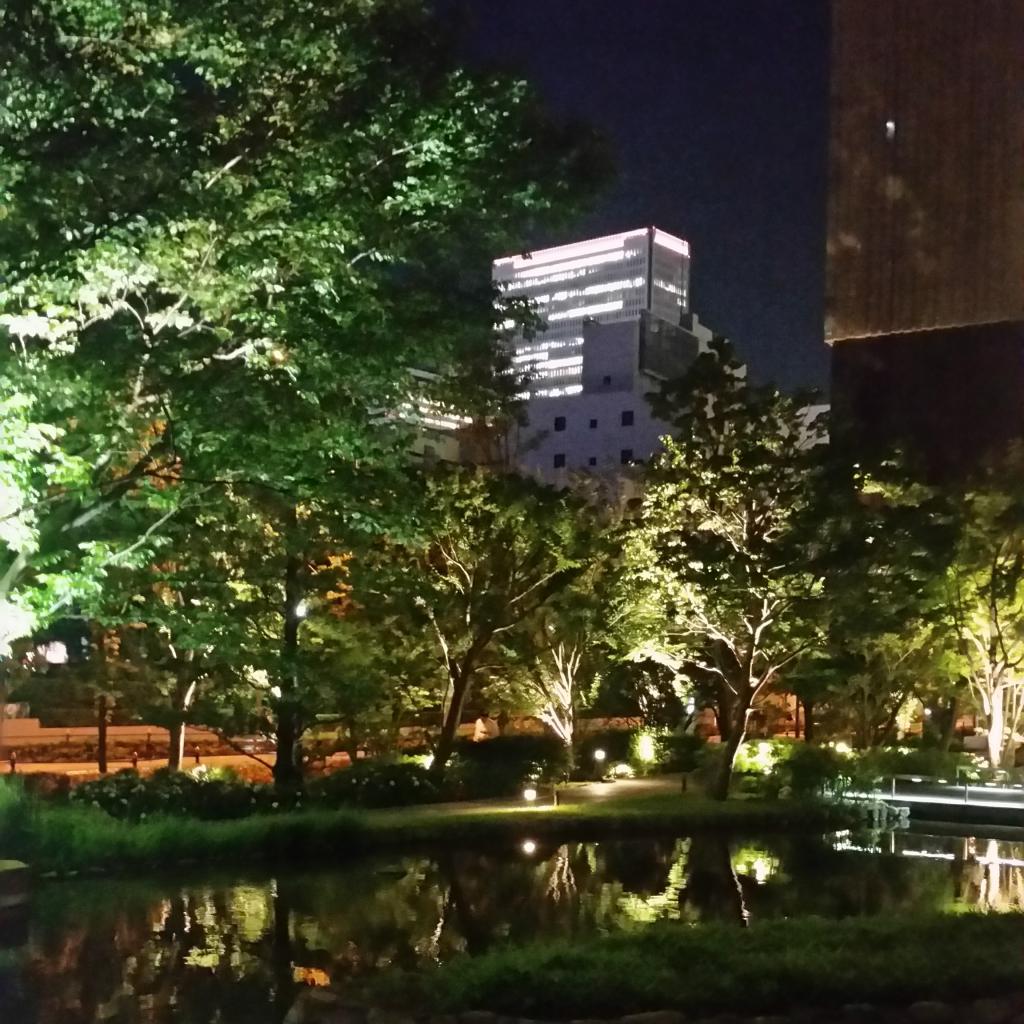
(529, 847)
(646, 748)
(275, 692)
(529, 795)
(301, 610)
(890, 129)
(599, 755)
(56, 653)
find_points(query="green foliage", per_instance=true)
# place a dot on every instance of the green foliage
(219, 795)
(812, 771)
(504, 765)
(771, 966)
(722, 583)
(228, 235)
(209, 796)
(488, 555)
(874, 765)
(370, 784)
(15, 814)
(679, 753)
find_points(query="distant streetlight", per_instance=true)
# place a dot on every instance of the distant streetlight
(529, 794)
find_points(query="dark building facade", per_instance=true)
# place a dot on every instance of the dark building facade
(926, 223)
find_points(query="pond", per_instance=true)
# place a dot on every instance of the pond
(240, 949)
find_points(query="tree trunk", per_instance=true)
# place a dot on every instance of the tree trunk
(460, 678)
(101, 733)
(950, 716)
(288, 763)
(996, 727)
(719, 787)
(176, 745)
(809, 722)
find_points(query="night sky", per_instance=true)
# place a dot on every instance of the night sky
(717, 111)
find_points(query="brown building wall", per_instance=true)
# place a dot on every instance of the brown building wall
(926, 207)
(952, 398)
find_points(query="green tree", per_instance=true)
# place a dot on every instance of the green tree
(887, 542)
(228, 233)
(986, 586)
(722, 549)
(491, 553)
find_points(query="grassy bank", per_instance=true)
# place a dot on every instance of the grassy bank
(774, 965)
(67, 839)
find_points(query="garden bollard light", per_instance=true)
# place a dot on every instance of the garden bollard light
(196, 749)
(12, 760)
(686, 780)
(135, 759)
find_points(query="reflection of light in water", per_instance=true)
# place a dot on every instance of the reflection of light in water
(562, 882)
(755, 863)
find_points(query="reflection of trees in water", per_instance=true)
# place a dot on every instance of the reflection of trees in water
(131, 953)
(138, 959)
(713, 891)
(991, 874)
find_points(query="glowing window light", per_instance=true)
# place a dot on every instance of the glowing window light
(565, 362)
(582, 311)
(579, 264)
(594, 289)
(561, 252)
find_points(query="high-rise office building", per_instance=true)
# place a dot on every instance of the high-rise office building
(925, 293)
(604, 280)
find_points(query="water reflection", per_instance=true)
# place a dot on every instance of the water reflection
(242, 949)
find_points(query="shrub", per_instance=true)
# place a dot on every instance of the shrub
(15, 816)
(811, 771)
(210, 795)
(373, 784)
(873, 765)
(679, 753)
(502, 766)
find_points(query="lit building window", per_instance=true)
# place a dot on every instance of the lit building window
(607, 280)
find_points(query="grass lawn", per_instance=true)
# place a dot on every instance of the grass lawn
(67, 839)
(773, 965)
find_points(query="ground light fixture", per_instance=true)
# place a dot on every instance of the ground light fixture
(529, 847)
(529, 794)
(599, 756)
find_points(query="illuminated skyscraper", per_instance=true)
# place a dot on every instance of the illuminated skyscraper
(925, 293)
(604, 280)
